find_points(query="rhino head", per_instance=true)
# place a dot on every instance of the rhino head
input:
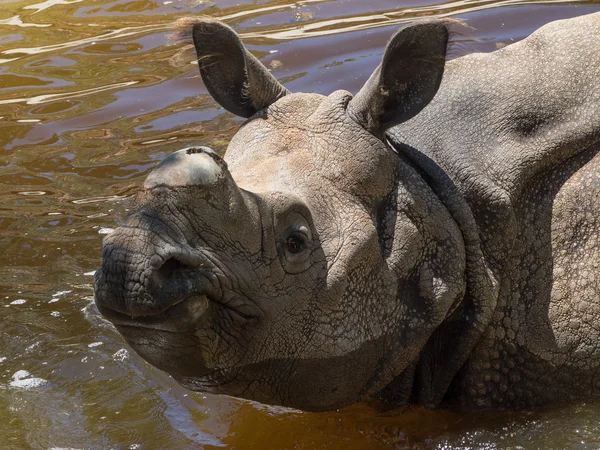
(310, 266)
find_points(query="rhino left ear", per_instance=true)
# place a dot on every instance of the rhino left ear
(405, 81)
(233, 76)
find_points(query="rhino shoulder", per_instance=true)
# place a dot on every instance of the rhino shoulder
(517, 111)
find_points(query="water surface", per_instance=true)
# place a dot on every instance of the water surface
(92, 96)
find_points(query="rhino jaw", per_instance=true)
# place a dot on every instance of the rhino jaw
(166, 340)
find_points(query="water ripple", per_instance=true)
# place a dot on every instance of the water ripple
(39, 99)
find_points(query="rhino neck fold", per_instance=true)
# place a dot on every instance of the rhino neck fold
(453, 341)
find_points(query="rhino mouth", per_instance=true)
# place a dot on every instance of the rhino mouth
(181, 317)
(181, 299)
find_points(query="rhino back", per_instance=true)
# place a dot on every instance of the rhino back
(517, 130)
(512, 113)
(501, 118)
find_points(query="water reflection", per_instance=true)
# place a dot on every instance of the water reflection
(92, 95)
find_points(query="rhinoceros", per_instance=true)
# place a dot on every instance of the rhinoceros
(434, 238)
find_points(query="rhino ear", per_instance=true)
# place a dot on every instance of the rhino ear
(232, 75)
(405, 81)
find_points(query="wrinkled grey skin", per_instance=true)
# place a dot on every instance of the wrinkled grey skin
(387, 245)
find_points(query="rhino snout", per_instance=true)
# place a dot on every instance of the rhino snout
(142, 277)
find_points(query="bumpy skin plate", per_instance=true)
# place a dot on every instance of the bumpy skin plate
(518, 132)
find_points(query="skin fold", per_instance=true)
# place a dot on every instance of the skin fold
(432, 238)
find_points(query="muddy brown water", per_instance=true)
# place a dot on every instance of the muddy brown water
(92, 96)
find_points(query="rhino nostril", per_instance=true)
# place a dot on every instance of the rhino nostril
(178, 278)
(171, 270)
(172, 265)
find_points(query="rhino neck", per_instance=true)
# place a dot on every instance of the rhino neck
(453, 341)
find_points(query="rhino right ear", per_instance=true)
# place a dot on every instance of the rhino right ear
(232, 75)
(407, 79)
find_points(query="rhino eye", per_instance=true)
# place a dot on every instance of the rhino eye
(295, 243)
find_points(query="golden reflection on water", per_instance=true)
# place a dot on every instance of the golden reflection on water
(92, 96)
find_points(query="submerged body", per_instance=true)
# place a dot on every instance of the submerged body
(383, 245)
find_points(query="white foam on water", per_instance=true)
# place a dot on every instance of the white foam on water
(19, 301)
(121, 355)
(20, 374)
(33, 346)
(21, 379)
(2, 359)
(105, 230)
(61, 293)
(94, 344)
(28, 383)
